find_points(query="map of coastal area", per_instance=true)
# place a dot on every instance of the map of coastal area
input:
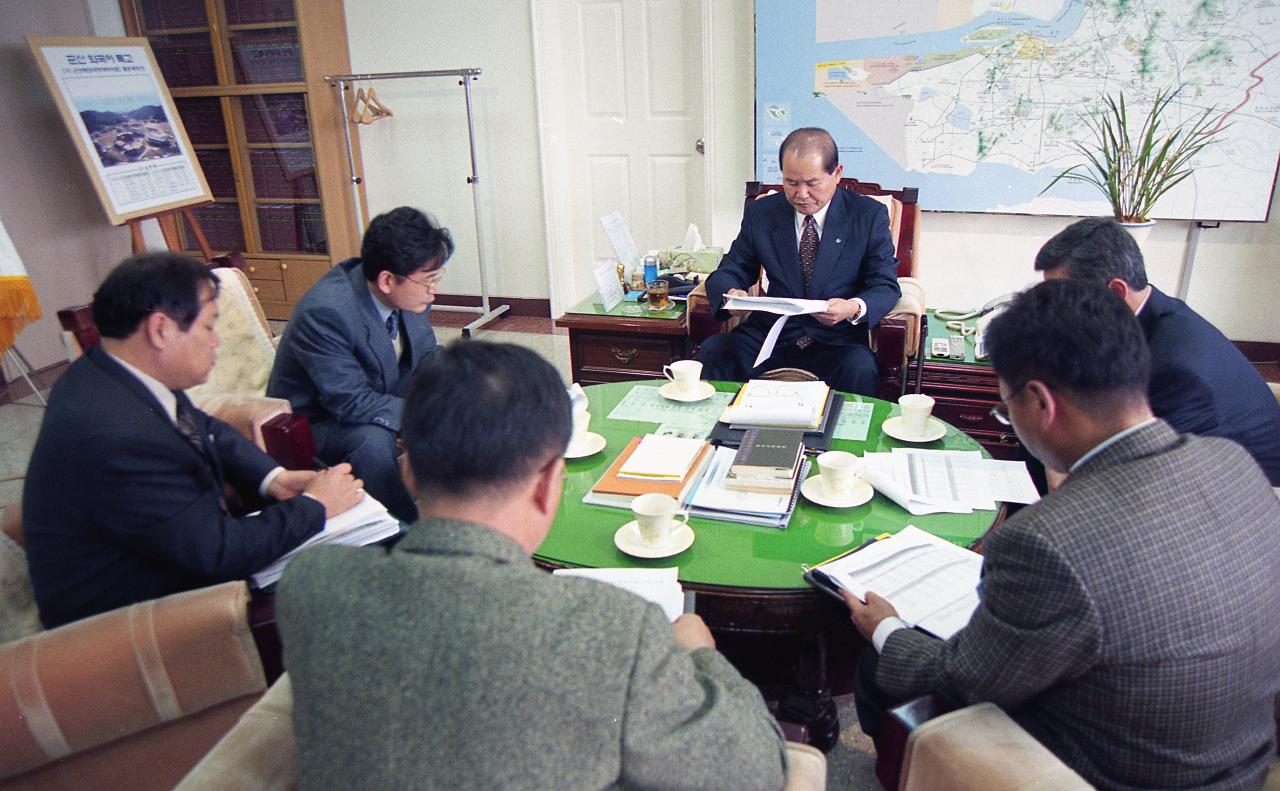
(977, 103)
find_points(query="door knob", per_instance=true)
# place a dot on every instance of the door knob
(700, 146)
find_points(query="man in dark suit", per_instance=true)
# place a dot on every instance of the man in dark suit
(124, 496)
(1126, 620)
(353, 343)
(453, 662)
(1200, 382)
(814, 241)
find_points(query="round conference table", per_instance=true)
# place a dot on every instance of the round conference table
(797, 644)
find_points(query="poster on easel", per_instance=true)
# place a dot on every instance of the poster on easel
(126, 128)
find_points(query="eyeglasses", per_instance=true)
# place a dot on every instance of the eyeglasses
(1001, 410)
(431, 282)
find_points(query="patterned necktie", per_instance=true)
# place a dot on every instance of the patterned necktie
(393, 326)
(808, 252)
(808, 248)
(189, 427)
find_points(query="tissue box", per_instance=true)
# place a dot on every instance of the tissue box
(678, 259)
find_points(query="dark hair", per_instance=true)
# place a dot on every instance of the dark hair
(1095, 250)
(1077, 337)
(480, 416)
(808, 138)
(401, 242)
(147, 283)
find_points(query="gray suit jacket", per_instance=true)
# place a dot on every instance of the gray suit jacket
(335, 362)
(452, 662)
(1128, 620)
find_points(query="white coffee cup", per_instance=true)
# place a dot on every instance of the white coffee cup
(656, 516)
(915, 413)
(685, 373)
(581, 426)
(838, 470)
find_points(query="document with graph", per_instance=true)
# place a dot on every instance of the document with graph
(933, 584)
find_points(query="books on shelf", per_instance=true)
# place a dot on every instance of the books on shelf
(617, 491)
(932, 583)
(712, 499)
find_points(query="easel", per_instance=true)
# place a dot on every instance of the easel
(168, 221)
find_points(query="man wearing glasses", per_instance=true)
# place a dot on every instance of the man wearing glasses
(353, 343)
(1123, 618)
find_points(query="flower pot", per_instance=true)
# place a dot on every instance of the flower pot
(1139, 230)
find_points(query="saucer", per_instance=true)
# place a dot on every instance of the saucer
(813, 489)
(894, 427)
(700, 392)
(628, 540)
(591, 443)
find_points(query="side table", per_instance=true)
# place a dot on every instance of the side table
(626, 343)
(965, 391)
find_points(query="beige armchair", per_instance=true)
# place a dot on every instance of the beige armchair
(259, 753)
(898, 341)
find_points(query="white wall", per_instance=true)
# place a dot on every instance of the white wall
(419, 157)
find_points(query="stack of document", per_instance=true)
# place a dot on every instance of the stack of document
(364, 523)
(947, 481)
(655, 463)
(763, 402)
(932, 584)
(713, 500)
(660, 586)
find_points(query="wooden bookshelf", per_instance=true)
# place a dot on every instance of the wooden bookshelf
(247, 77)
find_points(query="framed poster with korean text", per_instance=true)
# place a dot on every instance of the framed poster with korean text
(118, 110)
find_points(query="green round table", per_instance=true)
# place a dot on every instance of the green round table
(773, 625)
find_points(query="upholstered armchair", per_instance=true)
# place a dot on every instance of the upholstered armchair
(898, 341)
(236, 389)
(259, 753)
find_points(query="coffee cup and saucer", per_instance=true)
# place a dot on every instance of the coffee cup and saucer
(837, 484)
(915, 424)
(686, 382)
(659, 530)
(583, 443)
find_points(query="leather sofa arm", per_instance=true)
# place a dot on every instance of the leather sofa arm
(108, 677)
(258, 753)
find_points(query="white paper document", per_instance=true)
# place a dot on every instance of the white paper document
(607, 285)
(783, 306)
(947, 481)
(766, 402)
(932, 583)
(624, 246)
(711, 493)
(661, 457)
(660, 586)
(364, 523)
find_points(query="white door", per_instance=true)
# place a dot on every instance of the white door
(621, 104)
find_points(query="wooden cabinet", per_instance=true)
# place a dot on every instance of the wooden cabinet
(610, 348)
(247, 77)
(965, 393)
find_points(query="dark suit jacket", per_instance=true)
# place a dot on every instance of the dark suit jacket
(855, 259)
(1202, 384)
(119, 507)
(1128, 619)
(452, 662)
(335, 362)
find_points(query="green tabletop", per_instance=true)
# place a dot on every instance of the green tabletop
(735, 554)
(938, 329)
(592, 306)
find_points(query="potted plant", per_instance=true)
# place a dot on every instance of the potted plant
(1134, 171)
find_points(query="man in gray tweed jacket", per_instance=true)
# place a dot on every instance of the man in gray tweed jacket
(452, 662)
(1128, 620)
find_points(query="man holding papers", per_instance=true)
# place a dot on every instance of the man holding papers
(817, 242)
(1126, 619)
(124, 497)
(452, 662)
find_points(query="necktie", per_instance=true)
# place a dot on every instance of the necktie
(808, 252)
(189, 426)
(393, 325)
(808, 248)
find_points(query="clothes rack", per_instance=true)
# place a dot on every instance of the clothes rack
(342, 83)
